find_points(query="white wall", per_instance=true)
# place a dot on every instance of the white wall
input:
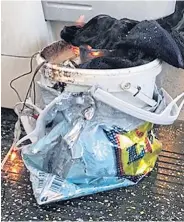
(23, 32)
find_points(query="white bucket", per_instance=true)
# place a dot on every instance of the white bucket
(129, 90)
(122, 83)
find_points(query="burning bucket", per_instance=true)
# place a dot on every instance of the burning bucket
(129, 85)
(96, 139)
(130, 90)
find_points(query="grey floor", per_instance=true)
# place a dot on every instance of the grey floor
(158, 197)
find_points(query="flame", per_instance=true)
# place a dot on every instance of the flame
(96, 53)
(13, 155)
(80, 21)
(76, 50)
(93, 53)
(14, 169)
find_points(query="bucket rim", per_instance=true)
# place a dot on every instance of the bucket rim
(156, 63)
(151, 65)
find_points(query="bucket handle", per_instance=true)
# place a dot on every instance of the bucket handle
(164, 118)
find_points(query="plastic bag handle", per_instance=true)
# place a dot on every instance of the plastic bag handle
(39, 124)
(23, 139)
(169, 108)
(164, 118)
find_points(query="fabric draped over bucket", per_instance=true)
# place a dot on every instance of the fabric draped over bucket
(110, 150)
(135, 43)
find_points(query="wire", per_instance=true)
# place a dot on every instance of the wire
(34, 91)
(32, 82)
(25, 74)
(17, 56)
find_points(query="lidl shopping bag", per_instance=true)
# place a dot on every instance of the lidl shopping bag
(136, 150)
(104, 157)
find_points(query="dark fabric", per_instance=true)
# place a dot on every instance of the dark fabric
(174, 24)
(111, 63)
(122, 57)
(135, 43)
(101, 32)
(179, 38)
(151, 38)
(170, 22)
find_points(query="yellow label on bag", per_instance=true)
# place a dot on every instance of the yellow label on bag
(139, 150)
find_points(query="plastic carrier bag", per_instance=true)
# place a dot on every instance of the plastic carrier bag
(87, 147)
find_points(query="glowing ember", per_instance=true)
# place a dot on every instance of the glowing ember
(96, 53)
(91, 52)
(14, 169)
(13, 155)
(76, 50)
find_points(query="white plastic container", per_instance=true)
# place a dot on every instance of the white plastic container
(129, 90)
(133, 85)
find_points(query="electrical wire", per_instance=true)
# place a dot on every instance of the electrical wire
(24, 103)
(16, 56)
(32, 82)
(34, 92)
(25, 74)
